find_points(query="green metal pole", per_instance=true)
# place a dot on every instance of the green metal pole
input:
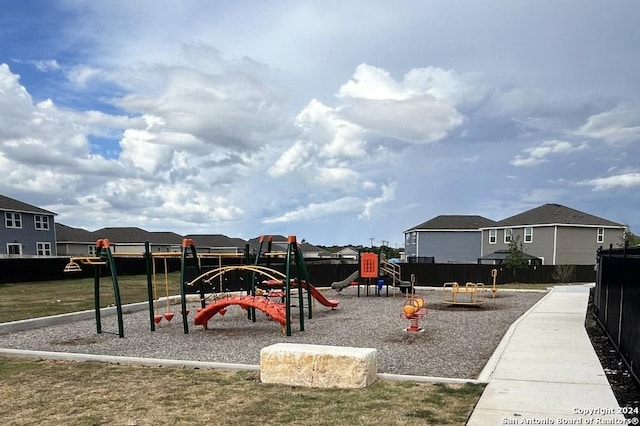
(251, 312)
(116, 289)
(196, 263)
(148, 259)
(303, 275)
(96, 296)
(183, 298)
(287, 288)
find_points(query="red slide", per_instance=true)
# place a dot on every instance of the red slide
(319, 296)
(315, 293)
(274, 310)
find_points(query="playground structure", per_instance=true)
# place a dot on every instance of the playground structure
(278, 283)
(414, 309)
(471, 294)
(373, 268)
(105, 257)
(454, 294)
(494, 290)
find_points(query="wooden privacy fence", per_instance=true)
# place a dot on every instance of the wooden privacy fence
(616, 301)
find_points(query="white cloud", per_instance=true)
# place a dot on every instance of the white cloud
(388, 194)
(334, 136)
(539, 154)
(315, 211)
(625, 180)
(47, 65)
(543, 195)
(372, 83)
(230, 119)
(157, 173)
(421, 108)
(338, 145)
(81, 75)
(616, 127)
(293, 159)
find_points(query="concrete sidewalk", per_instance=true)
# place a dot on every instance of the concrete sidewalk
(546, 371)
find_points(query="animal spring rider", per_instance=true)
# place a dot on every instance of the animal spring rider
(414, 309)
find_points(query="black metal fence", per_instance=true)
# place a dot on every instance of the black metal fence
(321, 273)
(616, 301)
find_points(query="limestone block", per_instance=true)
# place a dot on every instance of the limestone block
(318, 366)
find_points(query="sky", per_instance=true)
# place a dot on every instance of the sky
(340, 122)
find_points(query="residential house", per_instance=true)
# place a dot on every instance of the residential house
(26, 229)
(501, 256)
(217, 243)
(557, 234)
(80, 242)
(75, 241)
(279, 244)
(446, 239)
(133, 239)
(348, 252)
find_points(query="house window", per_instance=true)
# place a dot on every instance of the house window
(410, 238)
(528, 235)
(92, 250)
(14, 248)
(493, 236)
(508, 235)
(42, 222)
(600, 237)
(43, 249)
(12, 220)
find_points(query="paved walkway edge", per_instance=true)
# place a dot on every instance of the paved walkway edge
(490, 366)
(546, 371)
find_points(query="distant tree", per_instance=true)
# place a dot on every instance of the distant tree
(516, 258)
(563, 273)
(630, 238)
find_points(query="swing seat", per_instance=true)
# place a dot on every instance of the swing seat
(72, 267)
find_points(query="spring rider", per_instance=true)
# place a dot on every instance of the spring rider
(414, 310)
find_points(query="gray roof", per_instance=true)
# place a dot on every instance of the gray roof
(66, 233)
(11, 204)
(137, 235)
(216, 240)
(504, 254)
(279, 243)
(465, 222)
(500, 256)
(555, 214)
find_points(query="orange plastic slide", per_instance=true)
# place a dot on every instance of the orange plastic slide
(319, 296)
(274, 310)
(315, 293)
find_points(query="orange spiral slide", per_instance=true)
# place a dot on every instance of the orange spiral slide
(274, 310)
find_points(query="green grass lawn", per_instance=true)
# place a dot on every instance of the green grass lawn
(53, 392)
(48, 392)
(38, 299)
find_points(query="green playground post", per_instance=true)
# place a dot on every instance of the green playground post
(103, 251)
(303, 273)
(96, 298)
(148, 259)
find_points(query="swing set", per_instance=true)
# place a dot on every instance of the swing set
(295, 276)
(105, 257)
(168, 315)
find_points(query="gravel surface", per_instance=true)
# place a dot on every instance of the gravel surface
(456, 342)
